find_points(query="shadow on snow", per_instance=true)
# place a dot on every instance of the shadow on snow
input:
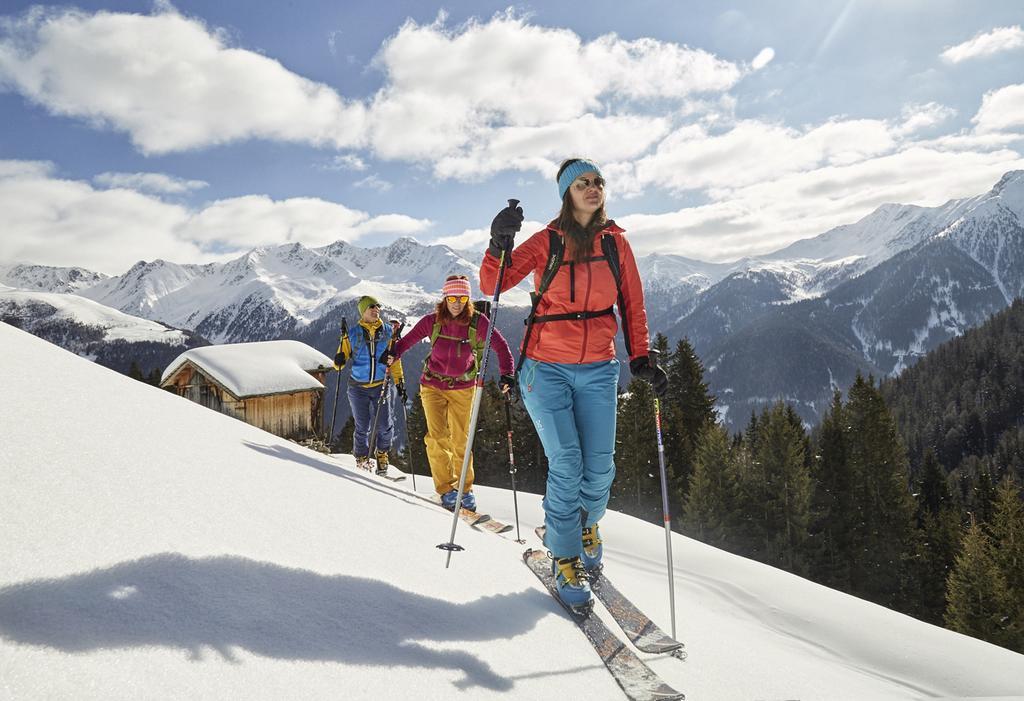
(230, 602)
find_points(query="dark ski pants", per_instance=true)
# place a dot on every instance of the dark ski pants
(363, 401)
(573, 409)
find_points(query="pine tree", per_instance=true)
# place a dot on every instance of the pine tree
(708, 510)
(1008, 536)
(637, 486)
(977, 593)
(883, 534)
(416, 430)
(938, 542)
(135, 372)
(346, 439)
(688, 409)
(779, 495)
(833, 513)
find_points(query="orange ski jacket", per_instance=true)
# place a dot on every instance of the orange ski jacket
(587, 286)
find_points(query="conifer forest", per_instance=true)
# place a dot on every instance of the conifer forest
(907, 494)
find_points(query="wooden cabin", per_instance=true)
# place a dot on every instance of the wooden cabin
(274, 385)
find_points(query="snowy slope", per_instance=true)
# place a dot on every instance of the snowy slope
(155, 549)
(113, 324)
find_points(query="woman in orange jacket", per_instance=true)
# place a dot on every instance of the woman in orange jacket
(569, 374)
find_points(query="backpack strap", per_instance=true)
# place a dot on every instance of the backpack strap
(556, 250)
(611, 254)
(471, 339)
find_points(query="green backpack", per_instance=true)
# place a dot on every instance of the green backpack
(476, 344)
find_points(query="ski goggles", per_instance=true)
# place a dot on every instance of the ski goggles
(584, 184)
(452, 299)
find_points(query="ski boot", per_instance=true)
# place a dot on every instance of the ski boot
(572, 584)
(363, 462)
(469, 502)
(448, 499)
(592, 550)
(382, 462)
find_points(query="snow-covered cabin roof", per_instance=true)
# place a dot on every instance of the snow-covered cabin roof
(256, 369)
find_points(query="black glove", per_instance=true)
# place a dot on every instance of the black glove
(340, 359)
(387, 357)
(400, 386)
(504, 228)
(643, 367)
(507, 383)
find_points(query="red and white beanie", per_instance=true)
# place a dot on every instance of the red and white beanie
(458, 287)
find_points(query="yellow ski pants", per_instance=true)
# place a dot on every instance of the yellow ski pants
(447, 412)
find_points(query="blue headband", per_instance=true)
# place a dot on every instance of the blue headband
(573, 171)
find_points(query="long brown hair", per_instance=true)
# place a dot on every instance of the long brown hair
(444, 316)
(579, 239)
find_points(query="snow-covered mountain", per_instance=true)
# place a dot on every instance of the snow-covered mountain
(932, 290)
(277, 292)
(872, 297)
(180, 553)
(46, 278)
(110, 337)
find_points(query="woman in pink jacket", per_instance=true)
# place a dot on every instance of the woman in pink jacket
(457, 333)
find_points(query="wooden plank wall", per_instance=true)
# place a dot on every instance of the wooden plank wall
(292, 416)
(295, 416)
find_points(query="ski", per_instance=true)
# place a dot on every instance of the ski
(638, 681)
(473, 518)
(641, 630)
(645, 635)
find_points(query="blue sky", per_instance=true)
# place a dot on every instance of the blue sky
(194, 131)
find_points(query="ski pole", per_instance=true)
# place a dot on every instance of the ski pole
(408, 445)
(381, 398)
(478, 393)
(337, 387)
(512, 464)
(668, 524)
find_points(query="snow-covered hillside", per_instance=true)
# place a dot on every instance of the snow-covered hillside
(155, 549)
(111, 324)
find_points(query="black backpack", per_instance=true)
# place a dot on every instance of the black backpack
(556, 251)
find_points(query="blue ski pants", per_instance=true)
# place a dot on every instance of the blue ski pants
(363, 401)
(573, 409)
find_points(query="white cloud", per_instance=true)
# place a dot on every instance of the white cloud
(542, 148)
(64, 222)
(451, 94)
(986, 44)
(168, 81)
(478, 239)
(764, 216)
(920, 117)
(374, 182)
(172, 83)
(1001, 110)
(158, 183)
(21, 169)
(347, 161)
(763, 58)
(693, 158)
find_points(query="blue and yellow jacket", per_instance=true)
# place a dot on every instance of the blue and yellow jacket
(365, 344)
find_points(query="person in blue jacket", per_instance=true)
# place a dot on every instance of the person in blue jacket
(366, 341)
